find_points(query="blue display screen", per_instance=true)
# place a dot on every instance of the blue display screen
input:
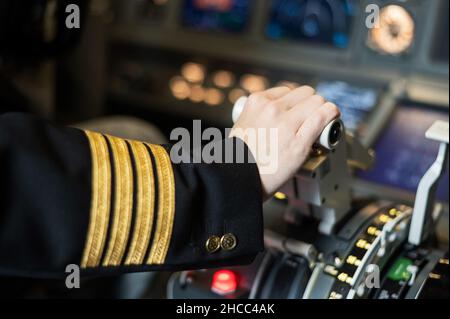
(314, 21)
(216, 15)
(403, 154)
(354, 102)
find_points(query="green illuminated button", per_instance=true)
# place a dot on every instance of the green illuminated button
(399, 271)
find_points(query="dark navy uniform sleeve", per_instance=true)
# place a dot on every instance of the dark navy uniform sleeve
(114, 206)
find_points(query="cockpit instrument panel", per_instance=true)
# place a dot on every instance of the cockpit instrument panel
(355, 102)
(230, 16)
(404, 154)
(313, 21)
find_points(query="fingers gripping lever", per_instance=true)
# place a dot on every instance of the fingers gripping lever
(330, 137)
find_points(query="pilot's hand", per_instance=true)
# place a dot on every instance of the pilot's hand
(298, 116)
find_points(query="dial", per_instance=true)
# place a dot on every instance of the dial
(395, 34)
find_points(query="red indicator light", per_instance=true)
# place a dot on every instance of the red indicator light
(224, 282)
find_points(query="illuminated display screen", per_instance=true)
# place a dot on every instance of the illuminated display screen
(355, 103)
(217, 15)
(403, 154)
(313, 21)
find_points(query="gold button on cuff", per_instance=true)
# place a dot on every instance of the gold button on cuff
(228, 242)
(213, 244)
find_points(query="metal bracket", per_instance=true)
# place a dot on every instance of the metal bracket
(426, 192)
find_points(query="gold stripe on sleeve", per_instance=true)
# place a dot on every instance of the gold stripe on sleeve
(145, 205)
(166, 206)
(100, 201)
(123, 203)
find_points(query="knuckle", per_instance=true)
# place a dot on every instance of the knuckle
(255, 99)
(319, 99)
(308, 89)
(321, 116)
(285, 87)
(277, 104)
(333, 109)
(273, 108)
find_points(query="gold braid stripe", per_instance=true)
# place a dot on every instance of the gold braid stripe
(166, 209)
(100, 201)
(145, 205)
(123, 204)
